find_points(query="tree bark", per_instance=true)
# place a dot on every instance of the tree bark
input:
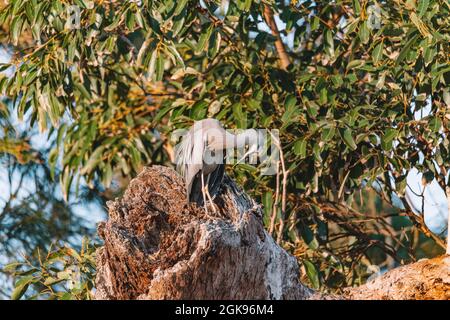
(279, 45)
(447, 191)
(157, 246)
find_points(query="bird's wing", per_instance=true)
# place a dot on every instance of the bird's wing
(190, 157)
(215, 180)
(194, 160)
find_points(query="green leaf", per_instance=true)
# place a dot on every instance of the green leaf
(64, 275)
(199, 110)
(139, 19)
(214, 44)
(312, 272)
(337, 80)
(347, 137)
(180, 6)
(151, 67)
(422, 7)
(66, 181)
(435, 124)
(328, 133)
(94, 159)
(406, 48)
(290, 105)
(82, 89)
(421, 97)
(389, 135)
(315, 23)
(387, 138)
(21, 287)
(4, 66)
(67, 296)
(239, 115)
(117, 20)
(428, 54)
(204, 38)
(159, 67)
(247, 167)
(364, 32)
(304, 77)
(107, 175)
(268, 202)
(179, 60)
(377, 53)
(357, 7)
(15, 29)
(11, 267)
(52, 159)
(162, 112)
(300, 148)
(355, 64)
(52, 281)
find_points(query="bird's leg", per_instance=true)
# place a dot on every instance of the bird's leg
(209, 195)
(210, 199)
(204, 193)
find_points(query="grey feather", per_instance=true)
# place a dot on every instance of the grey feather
(193, 156)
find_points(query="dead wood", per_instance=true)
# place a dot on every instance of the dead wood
(156, 246)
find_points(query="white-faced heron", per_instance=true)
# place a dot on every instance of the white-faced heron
(200, 157)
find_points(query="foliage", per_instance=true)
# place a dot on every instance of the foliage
(116, 86)
(62, 274)
(33, 214)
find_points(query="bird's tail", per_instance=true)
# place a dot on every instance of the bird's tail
(182, 155)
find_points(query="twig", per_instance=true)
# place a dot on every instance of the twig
(417, 220)
(275, 204)
(284, 184)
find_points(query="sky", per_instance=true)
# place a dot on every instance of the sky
(89, 211)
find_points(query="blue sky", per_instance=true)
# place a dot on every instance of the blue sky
(89, 211)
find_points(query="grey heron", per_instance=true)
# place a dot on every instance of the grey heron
(200, 157)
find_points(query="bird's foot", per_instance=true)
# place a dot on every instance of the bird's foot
(213, 206)
(211, 203)
(208, 206)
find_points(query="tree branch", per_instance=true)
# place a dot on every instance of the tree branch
(279, 45)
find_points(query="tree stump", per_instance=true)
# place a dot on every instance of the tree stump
(157, 246)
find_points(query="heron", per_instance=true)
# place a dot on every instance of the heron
(200, 157)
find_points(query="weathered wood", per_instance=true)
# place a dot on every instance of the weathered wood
(156, 246)
(427, 279)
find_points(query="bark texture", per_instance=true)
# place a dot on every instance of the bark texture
(157, 246)
(279, 45)
(427, 279)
